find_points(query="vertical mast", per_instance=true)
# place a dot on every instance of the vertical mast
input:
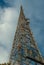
(24, 43)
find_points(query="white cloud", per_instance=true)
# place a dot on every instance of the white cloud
(8, 23)
(3, 55)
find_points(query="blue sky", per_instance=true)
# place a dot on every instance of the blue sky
(9, 13)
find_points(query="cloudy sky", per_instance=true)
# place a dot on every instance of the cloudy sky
(9, 13)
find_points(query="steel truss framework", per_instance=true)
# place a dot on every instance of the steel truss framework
(24, 44)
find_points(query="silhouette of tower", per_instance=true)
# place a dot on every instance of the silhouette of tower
(24, 43)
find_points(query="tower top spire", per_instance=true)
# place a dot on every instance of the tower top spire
(21, 12)
(21, 7)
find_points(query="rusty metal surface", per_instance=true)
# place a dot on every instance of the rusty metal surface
(24, 43)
